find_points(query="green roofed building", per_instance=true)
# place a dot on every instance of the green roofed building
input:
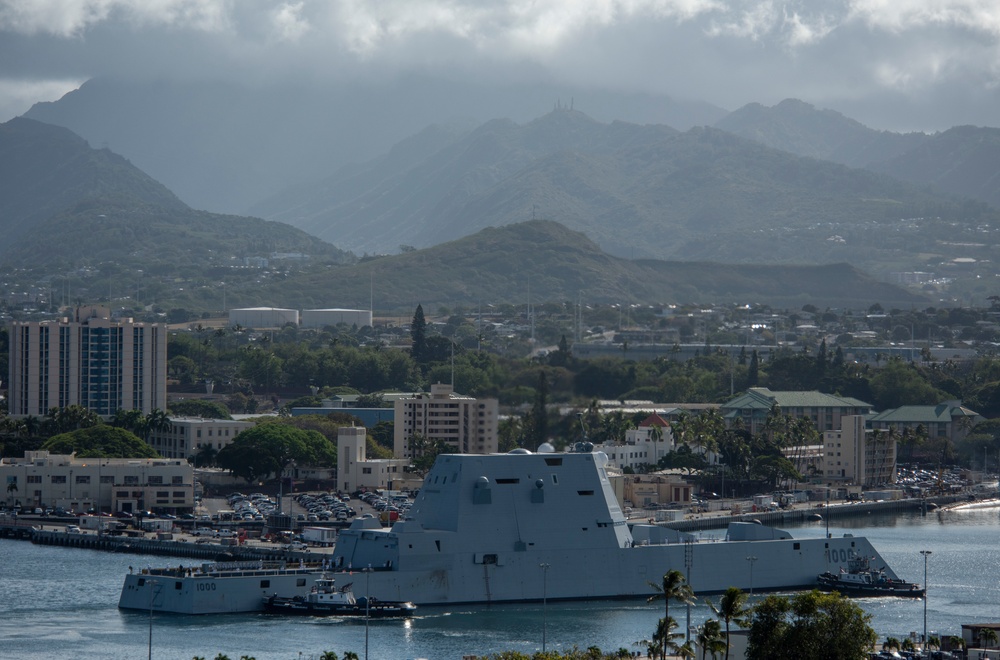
(825, 410)
(945, 420)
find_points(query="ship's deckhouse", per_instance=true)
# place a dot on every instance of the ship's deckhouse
(487, 507)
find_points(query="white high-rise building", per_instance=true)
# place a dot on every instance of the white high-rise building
(92, 360)
(466, 424)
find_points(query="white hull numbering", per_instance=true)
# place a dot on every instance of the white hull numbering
(519, 527)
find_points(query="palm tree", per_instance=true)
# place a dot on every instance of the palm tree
(988, 636)
(156, 420)
(664, 637)
(732, 609)
(328, 655)
(710, 639)
(890, 644)
(686, 650)
(673, 587)
(934, 642)
(350, 655)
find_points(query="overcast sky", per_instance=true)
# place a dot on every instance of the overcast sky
(900, 64)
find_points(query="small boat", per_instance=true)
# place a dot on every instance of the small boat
(326, 599)
(862, 579)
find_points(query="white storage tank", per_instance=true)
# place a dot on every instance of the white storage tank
(320, 318)
(263, 317)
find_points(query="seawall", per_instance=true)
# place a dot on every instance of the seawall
(794, 515)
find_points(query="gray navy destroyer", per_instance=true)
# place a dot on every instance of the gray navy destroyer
(521, 527)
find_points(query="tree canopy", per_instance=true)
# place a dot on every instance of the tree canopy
(269, 447)
(199, 408)
(101, 441)
(810, 626)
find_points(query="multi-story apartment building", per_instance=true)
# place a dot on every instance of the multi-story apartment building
(187, 436)
(858, 455)
(949, 420)
(466, 424)
(92, 360)
(41, 479)
(825, 410)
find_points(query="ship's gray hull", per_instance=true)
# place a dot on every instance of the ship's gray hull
(166, 590)
(616, 573)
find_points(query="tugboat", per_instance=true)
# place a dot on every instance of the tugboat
(861, 579)
(326, 599)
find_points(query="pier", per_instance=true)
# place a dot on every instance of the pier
(13, 528)
(806, 513)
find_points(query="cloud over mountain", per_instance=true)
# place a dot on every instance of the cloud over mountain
(901, 64)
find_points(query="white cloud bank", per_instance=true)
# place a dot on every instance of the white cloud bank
(725, 51)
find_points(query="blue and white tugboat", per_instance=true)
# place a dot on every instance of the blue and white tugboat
(862, 579)
(326, 599)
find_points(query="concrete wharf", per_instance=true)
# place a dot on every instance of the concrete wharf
(801, 513)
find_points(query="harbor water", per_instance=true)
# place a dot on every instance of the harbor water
(62, 603)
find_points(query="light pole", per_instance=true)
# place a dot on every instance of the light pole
(100, 520)
(926, 554)
(751, 559)
(545, 576)
(368, 600)
(688, 559)
(152, 591)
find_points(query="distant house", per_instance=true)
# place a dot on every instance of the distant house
(949, 420)
(825, 410)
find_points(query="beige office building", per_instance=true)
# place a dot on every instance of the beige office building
(92, 360)
(356, 472)
(41, 479)
(187, 436)
(466, 424)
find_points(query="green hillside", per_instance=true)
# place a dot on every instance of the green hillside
(64, 206)
(544, 261)
(45, 169)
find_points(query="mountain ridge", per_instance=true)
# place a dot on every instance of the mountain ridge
(645, 191)
(543, 260)
(64, 204)
(962, 161)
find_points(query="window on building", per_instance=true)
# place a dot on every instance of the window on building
(177, 480)
(131, 480)
(34, 478)
(58, 478)
(82, 479)
(155, 479)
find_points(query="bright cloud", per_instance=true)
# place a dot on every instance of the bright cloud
(726, 51)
